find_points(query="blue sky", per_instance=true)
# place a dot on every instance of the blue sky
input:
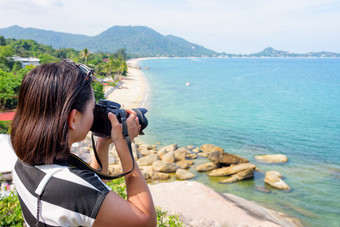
(243, 26)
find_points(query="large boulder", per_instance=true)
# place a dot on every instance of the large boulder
(244, 174)
(185, 164)
(169, 157)
(227, 171)
(274, 158)
(164, 167)
(191, 156)
(206, 167)
(196, 150)
(273, 178)
(180, 153)
(182, 174)
(144, 147)
(144, 152)
(204, 155)
(160, 176)
(147, 160)
(225, 158)
(167, 149)
(207, 148)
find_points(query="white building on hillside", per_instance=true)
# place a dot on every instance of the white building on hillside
(26, 61)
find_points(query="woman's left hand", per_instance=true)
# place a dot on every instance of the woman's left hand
(132, 124)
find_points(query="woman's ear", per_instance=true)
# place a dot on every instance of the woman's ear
(72, 119)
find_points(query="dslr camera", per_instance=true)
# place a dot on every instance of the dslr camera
(101, 124)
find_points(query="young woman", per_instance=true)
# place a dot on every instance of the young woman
(55, 110)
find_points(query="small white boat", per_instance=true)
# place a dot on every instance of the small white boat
(187, 83)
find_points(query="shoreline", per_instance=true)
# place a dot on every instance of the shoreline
(195, 203)
(134, 89)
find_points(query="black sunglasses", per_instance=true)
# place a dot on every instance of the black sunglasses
(83, 69)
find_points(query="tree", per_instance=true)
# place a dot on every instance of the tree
(85, 54)
(5, 53)
(2, 41)
(121, 52)
(46, 58)
(9, 88)
(98, 91)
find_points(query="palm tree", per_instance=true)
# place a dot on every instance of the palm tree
(85, 54)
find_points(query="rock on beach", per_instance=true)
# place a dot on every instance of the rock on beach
(274, 158)
(273, 178)
(227, 171)
(225, 158)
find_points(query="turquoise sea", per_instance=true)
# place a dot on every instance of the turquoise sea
(255, 106)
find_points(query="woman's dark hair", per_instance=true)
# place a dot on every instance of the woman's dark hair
(48, 93)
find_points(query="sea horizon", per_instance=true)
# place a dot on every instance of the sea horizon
(255, 87)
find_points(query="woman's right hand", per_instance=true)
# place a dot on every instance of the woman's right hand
(116, 131)
(132, 124)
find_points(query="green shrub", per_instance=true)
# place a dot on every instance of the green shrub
(5, 127)
(10, 211)
(164, 220)
(118, 186)
(98, 90)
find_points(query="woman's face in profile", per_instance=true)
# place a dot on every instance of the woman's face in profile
(86, 120)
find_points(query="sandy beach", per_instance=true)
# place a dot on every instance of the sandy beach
(133, 90)
(195, 203)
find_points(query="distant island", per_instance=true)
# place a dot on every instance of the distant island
(138, 41)
(271, 52)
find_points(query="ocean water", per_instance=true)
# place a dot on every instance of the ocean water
(256, 106)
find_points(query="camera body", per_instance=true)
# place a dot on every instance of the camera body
(101, 126)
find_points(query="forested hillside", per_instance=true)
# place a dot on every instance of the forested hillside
(136, 40)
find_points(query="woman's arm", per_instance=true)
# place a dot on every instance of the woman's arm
(138, 209)
(102, 148)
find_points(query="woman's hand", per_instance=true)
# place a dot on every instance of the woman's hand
(131, 122)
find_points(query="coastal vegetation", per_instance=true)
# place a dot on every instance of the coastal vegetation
(109, 66)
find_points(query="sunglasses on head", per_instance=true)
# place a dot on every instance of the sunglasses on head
(83, 69)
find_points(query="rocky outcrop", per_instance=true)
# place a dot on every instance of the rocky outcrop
(206, 167)
(227, 171)
(160, 176)
(273, 178)
(164, 167)
(185, 164)
(147, 160)
(167, 149)
(225, 158)
(169, 157)
(196, 150)
(274, 158)
(180, 153)
(207, 148)
(182, 174)
(244, 174)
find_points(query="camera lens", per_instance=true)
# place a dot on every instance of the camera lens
(141, 118)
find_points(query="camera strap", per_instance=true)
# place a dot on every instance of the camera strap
(75, 161)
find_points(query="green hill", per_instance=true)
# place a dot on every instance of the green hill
(136, 40)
